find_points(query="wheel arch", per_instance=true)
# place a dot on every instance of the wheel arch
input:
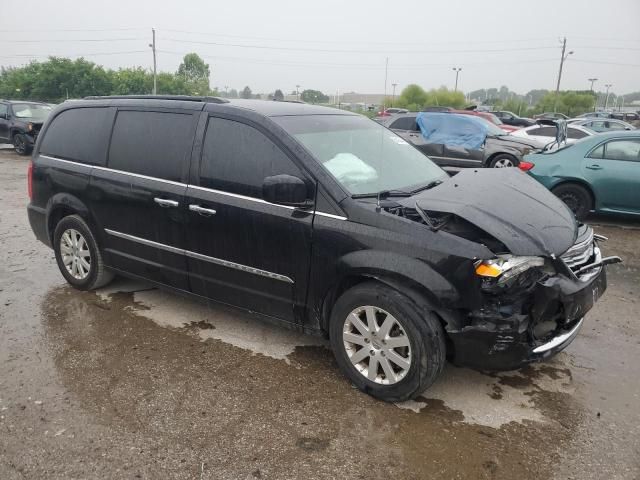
(411, 277)
(61, 205)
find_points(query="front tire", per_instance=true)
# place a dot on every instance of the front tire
(576, 197)
(78, 256)
(503, 160)
(20, 144)
(385, 344)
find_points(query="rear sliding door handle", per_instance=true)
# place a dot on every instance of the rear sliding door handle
(594, 167)
(163, 202)
(202, 211)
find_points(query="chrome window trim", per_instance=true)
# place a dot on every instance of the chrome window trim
(196, 187)
(199, 256)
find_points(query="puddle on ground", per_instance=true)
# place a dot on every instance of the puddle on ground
(214, 321)
(491, 400)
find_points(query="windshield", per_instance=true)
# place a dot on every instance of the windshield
(32, 111)
(363, 156)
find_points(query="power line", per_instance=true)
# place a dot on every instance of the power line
(327, 50)
(342, 42)
(70, 40)
(34, 55)
(22, 30)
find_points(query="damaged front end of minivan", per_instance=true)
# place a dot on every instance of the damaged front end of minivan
(546, 274)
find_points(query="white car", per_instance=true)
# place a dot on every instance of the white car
(547, 133)
(600, 125)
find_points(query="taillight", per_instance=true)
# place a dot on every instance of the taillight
(526, 166)
(30, 180)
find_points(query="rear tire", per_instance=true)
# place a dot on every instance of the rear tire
(78, 256)
(20, 144)
(503, 160)
(412, 336)
(576, 197)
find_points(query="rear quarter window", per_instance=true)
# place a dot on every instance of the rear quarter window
(155, 144)
(79, 134)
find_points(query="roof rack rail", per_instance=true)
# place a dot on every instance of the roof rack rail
(185, 98)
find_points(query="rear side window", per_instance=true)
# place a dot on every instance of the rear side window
(573, 133)
(236, 158)
(406, 123)
(79, 134)
(156, 144)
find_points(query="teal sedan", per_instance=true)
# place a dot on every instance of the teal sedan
(599, 173)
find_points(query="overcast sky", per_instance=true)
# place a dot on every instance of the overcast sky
(342, 45)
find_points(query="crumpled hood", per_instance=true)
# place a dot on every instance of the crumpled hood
(507, 204)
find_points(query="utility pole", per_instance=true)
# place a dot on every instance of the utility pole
(153, 49)
(393, 96)
(563, 57)
(297, 92)
(606, 101)
(386, 72)
(457, 70)
(592, 80)
(595, 103)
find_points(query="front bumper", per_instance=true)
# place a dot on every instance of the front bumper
(504, 340)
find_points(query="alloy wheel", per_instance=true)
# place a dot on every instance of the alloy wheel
(377, 345)
(504, 162)
(75, 254)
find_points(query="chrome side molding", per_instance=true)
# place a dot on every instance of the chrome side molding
(199, 256)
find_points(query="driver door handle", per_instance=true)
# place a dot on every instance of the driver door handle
(207, 212)
(595, 166)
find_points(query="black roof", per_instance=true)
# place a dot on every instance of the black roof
(268, 108)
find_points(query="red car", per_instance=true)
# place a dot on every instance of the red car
(488, 116)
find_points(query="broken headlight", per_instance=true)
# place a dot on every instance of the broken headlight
(506, 267)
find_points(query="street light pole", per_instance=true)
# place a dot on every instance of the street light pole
(606, 100)
(595, 102)
(563, 57)
(297, 92)
(457, 70)
(386, 72)
(592, 80)
(153, 49)
(393, 96)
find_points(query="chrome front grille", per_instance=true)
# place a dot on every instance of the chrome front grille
(581, 251)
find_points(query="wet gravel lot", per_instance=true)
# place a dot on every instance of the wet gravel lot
(134, 382)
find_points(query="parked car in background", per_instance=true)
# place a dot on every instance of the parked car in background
(547, 133)
(489, 117)
(454, 140)
(594, 115)
(600, 125)
(511, 118)
(599, 173)
(551, 116)
(20, 122)
(630, 117)
(397, 264)
(391, 111)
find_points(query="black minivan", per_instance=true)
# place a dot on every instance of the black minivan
(321, 220)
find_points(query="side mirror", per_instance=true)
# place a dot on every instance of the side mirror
(4, 116)
(286, 190)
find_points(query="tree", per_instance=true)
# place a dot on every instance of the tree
(278, 95)
(246, 93)
(570, 103)
(233, 93)
(313, 96)
(412, 97)
(195, 74)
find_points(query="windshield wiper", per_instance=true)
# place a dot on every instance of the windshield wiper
(382, 194)
(428, 186)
